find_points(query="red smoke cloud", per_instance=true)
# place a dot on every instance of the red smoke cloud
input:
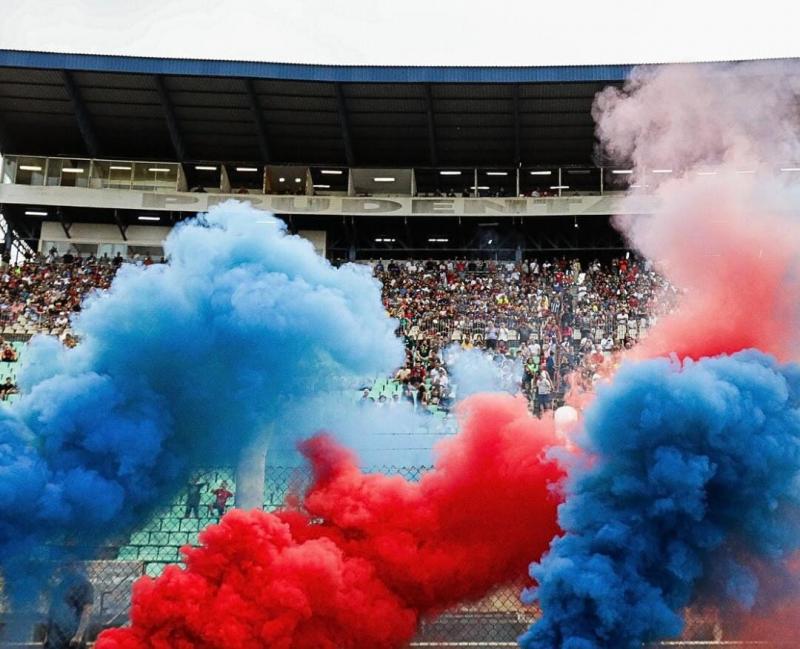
(365, 556)
(777, 628)
(776, 624)
(712, 211)
(740, 282)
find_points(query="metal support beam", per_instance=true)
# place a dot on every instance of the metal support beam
(432, 147)
(175, 135)
(10, 236)
(517, 149)
(65, 225)
(352, 238)
(21, 229)
(344, 120)
(81, 114)
(258, 118)
(123, 229)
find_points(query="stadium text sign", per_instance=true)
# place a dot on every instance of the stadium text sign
(330, 205)
(395, 206)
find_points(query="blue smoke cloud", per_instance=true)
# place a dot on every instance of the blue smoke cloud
(693, 478)
(475, 371)
(180, 365)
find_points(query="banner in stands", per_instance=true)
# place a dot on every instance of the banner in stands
(332, 205)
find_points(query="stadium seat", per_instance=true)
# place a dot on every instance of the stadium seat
(170, 524)
(189, 525)
(154, 569)
(140, 538)
(128, 553)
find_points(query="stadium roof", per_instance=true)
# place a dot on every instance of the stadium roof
(193, 110)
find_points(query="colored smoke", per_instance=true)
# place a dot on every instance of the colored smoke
(775, 619)
(475, 371)
(180, 365)
(690, 491)
(365, 556)
(706, 145)
(383, 434)
(694, 474)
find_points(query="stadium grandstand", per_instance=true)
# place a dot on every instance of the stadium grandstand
(490, 172)
(350, 154)
(476, 195)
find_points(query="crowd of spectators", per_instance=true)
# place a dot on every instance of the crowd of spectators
(41, 293)
(554, 320)
(543, 321)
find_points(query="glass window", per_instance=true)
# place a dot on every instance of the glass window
(53, 172)
(141, 253)
(111, 174)
(445, 182)
(497, 182)
(9, 168)
(616, 180)
(245, 178)
(63, 172)
(30, 171)
(57, 247)
(110, 250)
(329, 180)
(76, 174)
(85, 249)
(288, 179)
(204, 177)
(580, 181)
(538, 181)
(155, 176)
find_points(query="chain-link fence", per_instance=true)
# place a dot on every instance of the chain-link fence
(494, 622)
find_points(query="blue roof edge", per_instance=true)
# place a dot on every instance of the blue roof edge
(311, 72)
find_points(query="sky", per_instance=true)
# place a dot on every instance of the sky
(410, 32)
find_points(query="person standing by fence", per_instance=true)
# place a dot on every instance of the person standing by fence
(193, 490)
(70, 610)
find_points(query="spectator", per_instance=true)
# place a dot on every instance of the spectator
(544, 390)
(70, 610)
(193, 490)
(7, 388)
(502, 336)
(491, 336)
(221, 497)
(8, 354)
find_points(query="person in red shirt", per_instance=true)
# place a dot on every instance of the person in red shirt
(221, 497)
(417, 374)
(8, 354)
